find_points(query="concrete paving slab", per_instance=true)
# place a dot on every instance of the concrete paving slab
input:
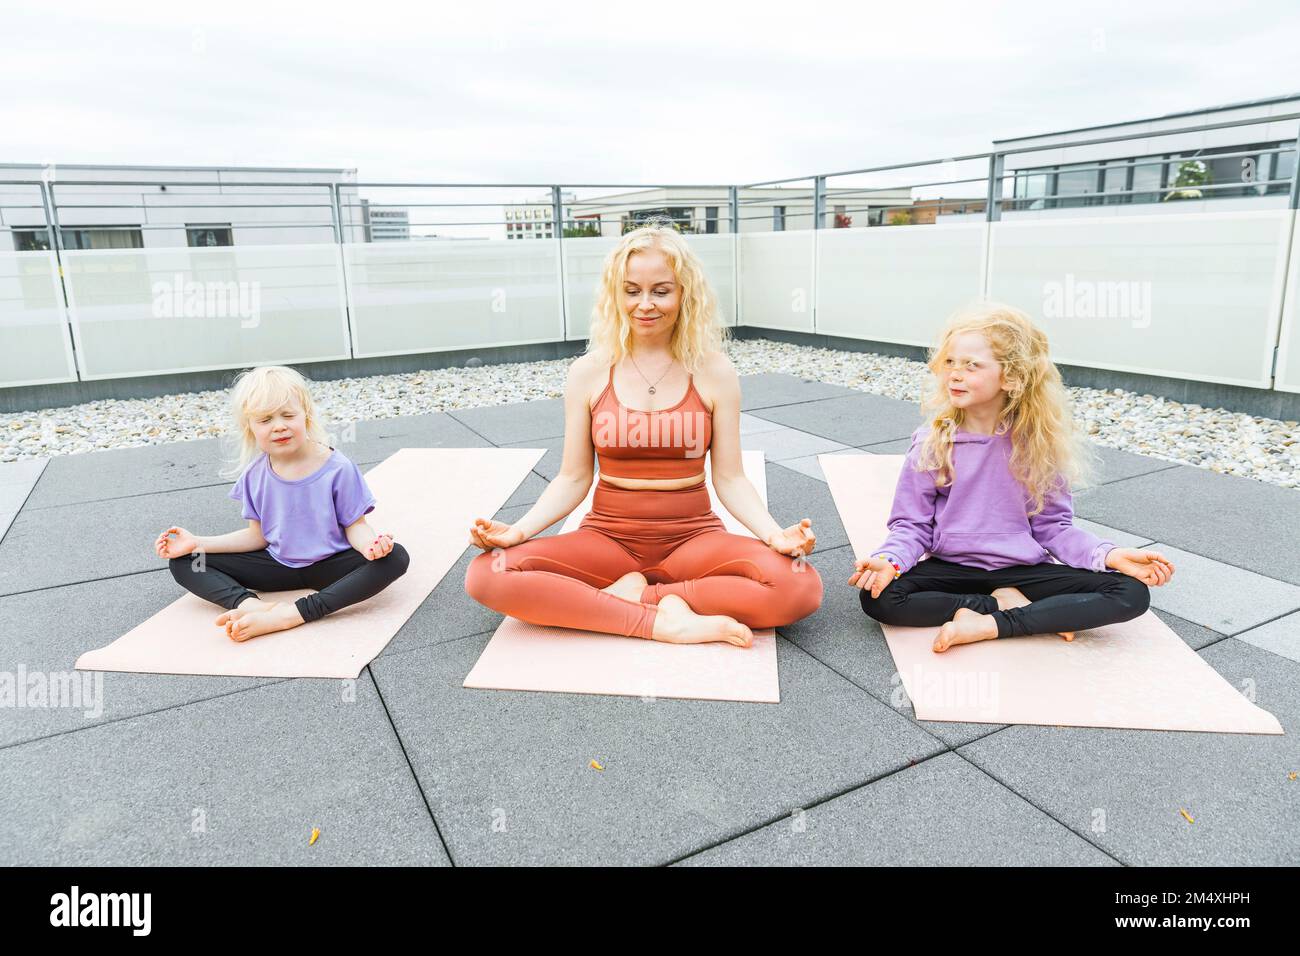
(1219, 596)
(855, 419)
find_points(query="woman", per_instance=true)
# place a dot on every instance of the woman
(651, 559)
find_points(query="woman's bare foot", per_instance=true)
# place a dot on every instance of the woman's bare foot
(676, 623)
(247, 606)
(242, 625)
(1014, 597)
(630, 586)
(966, 627)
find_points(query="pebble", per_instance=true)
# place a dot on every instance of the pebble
(1232, 443)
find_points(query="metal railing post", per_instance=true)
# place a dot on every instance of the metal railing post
(56, 246)
(819, 202)
(336, 214)
(993, 208)
(557, 215)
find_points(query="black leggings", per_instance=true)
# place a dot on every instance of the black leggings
(1064, 598)
(339, 580)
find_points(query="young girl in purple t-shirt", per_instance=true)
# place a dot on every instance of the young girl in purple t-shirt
(305, 503)
(985, 491)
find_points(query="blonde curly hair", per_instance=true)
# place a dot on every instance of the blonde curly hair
(697, 331)
(1048, 451)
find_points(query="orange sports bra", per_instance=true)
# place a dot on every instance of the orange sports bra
(669, 443)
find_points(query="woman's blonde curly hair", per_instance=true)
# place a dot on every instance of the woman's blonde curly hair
(698, 330)
(1048, 451)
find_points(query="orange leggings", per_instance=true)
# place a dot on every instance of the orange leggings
(673, 538)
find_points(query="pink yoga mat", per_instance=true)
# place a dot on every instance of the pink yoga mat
(1138, 674)
(426, 498)
(523, 656)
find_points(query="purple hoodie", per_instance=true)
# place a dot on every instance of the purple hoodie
(981, 518)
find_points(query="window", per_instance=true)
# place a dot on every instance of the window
(31, 240)
(214, 235)
(710, 219)
(102, 237)
(1114, 179)
(778, 218)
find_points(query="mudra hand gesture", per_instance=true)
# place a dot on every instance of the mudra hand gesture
(494, 534)
(796, 540)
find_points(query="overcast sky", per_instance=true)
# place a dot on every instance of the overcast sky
(658, 92)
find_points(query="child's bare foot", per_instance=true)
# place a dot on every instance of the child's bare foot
(1014, 597)
(966, 627)
(676, 623)
(246, 606)
(242, 626)
(630, 586)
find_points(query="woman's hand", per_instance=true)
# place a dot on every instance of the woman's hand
(875, 573)
(798, 539)
(169, 547)
(1150, 567)
(381, 546)
(494, 534)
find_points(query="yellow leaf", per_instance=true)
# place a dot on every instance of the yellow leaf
(315, 832)
(596, 766)
(1186, 815)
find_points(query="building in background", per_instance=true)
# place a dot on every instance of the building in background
(385, 223)
(535, 219)
(1246, 166)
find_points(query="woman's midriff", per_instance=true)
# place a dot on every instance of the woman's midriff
(653, 484)
(651, 523)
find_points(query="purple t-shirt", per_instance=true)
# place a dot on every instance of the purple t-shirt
(981, 518)
(303, 520)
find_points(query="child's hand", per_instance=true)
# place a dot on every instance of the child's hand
(380, 547)
(175, 543)
(798, 539)
(1150, 567)
(494, 534)
(875, 573)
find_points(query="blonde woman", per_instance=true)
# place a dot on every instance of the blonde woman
(305, 503)
(985, 490)
(651, 395)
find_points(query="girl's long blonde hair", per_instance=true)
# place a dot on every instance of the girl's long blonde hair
(1047, 449)
(697, 331)
(258, 392)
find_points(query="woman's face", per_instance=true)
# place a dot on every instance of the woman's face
(971, 374)
(651, 294)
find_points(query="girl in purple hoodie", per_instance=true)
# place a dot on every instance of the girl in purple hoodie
(985, 491)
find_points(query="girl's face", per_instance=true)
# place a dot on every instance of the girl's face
(651, 294)
(971, 373)
(283, 430)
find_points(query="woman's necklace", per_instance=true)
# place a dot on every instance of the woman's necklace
(656, 381)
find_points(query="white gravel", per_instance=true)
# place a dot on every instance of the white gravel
(1229, 442)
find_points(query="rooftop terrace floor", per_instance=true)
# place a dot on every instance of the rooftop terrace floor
(418, 770)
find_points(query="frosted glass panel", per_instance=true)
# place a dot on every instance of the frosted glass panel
(428, 295)
(896, 284)
(1288, 359)
(585, 258)
(34, 339)
(1191, 296)
(144, 311)
(776, 278)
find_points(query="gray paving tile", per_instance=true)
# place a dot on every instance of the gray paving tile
(257, 770)
(1194, 635)
(125, 472)
(522, 421)
(1123, 789)
(781, 443)
(792, 496)
(1239, 521)
(509, 778)
(843, 637)
(896, 446)
(85, 541)
(751, 424)
(1117, 465)
(548, 466)
(809, 465)
(858, 418)
(766, 389)
(43, 632)
(1122, 539)
(1219, 596)
(941, 812)
(1281, 636)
